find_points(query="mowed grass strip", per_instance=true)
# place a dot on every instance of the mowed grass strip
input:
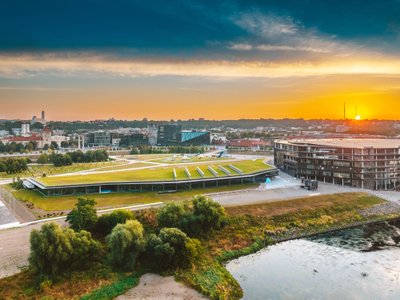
(164, 173)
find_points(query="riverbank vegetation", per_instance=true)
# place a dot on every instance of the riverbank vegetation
(189, 240)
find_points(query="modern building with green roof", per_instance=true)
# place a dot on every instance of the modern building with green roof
(161, 178)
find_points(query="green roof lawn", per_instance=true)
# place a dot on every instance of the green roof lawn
(164, 173)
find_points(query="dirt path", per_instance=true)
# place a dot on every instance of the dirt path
(155, 287)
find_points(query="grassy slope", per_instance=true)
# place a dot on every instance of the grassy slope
(156, 173)
(118, 199)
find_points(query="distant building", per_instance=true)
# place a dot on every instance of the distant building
(99, 139)
(136, 139)
(362, 163)
(25, 128)
(249, 143)
(41, 120)
(4, 133)
(152, 134)
(194, 138)
(16, 131)
(169, 134)
(342, 128)
(46, 135)
(26, 140)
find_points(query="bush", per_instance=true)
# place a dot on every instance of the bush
(203, 216)
(171, 215)
(125, 244)
(56, 250)
(43, 159)
(172, 248)
(83, 216)
(17, 185)
(107, 222)
(208, 214)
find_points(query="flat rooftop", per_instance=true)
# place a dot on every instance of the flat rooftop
(348, 143)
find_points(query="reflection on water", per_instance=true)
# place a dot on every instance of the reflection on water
(359, 263)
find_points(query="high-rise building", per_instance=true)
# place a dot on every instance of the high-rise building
(152, 131)
(25, 128)
(169, 134)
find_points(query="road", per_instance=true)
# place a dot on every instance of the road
(285, 187)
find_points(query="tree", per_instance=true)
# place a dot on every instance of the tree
(209, 214)
(125, 244)
(15, 165)
(83, 216)
(64, 144)
(53, 145)
(134, 151)
(43, 159)
(170, 215)
(55, 250)
(107, 222)
(172, 248)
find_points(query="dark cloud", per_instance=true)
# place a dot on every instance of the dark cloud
(230, 30)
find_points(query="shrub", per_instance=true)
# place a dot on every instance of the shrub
(208, 214)
(172, 248)
(125, 244)
(170, 215)
(83, 216)
(107, 222)
(56, 250)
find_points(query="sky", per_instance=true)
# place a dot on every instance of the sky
(180, 59)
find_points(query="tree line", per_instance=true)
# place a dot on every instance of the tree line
(124, 238)
(14, 147)
(14, 165)
(58, 159)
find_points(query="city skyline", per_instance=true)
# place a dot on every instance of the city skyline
(190, 59)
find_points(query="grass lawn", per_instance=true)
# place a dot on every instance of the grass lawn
(39, 170)
(150, 174)
(125, 166)
(189, 159)
(58, 203)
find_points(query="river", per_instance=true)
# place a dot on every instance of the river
(359, 263)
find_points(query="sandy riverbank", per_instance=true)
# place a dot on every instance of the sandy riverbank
(156, 287)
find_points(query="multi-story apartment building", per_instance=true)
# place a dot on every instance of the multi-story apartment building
(362, 163)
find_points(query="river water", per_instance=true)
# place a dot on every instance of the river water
(359, 263)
